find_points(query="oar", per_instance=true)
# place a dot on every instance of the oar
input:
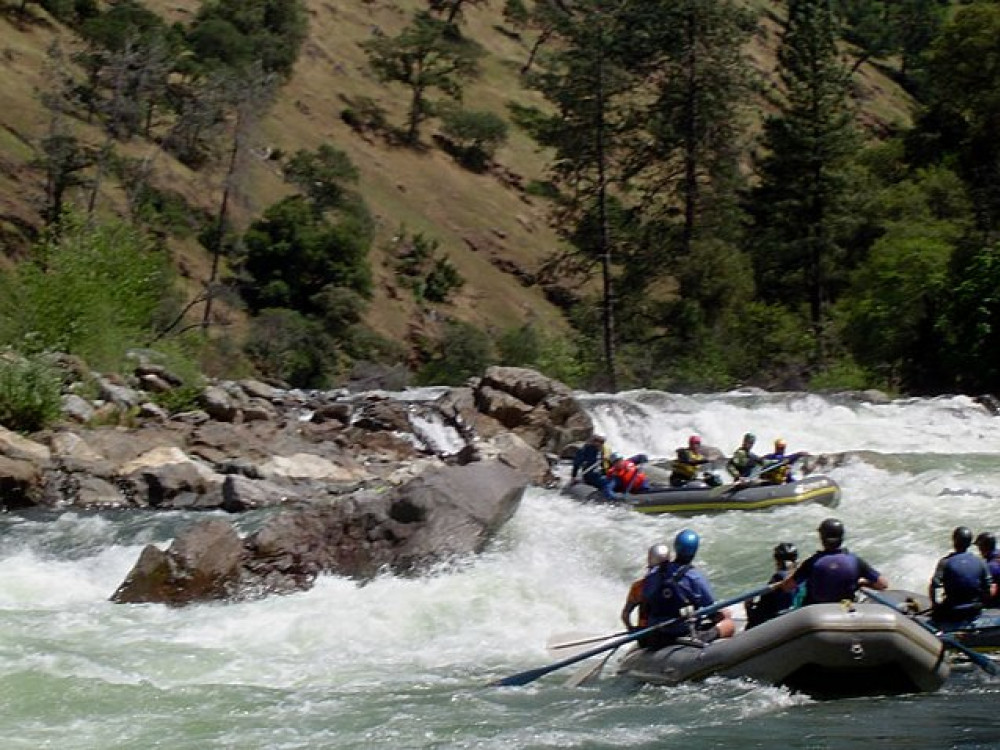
(983, 662)
(523, 678)
(582, 640)
(589, 672)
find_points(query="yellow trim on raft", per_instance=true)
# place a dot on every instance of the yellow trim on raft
(719, 505)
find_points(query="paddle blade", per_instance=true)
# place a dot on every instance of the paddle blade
(980, 660)
(588, 673)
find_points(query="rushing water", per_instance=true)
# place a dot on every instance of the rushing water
(404, 663)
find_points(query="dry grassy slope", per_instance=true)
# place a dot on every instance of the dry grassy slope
(425, 191)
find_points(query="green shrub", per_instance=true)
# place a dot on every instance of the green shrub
(92, 291)
(181, 399)
(463, 352)
(287, 345)
(430, 276)
(29, 394)
(476, 134)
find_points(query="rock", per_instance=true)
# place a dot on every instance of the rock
(21, 448)
(20, 483)
(163, 477)
(541, 410)
(218, 404)
(444, 513)
(202, 564)
(511, 450)
(77, 409)
(240, 493)
(256, 389)
(122, 396)
(310, 466)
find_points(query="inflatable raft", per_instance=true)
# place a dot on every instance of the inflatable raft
(697, 497)
(824, 650)
(981, 634)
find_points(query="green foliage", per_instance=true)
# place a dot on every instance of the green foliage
(424, 56)
(287, 345)
(519, 347)
(965, 98)
(463, 352)
(90, 291)
(842, 375)
(442, 279)
(168, 211)
(123, 23)
(322, 175)
(970, 324)
(476, 134)
(553, 355)
(364, 115)
(181, 399)
(238, 33)
(292, 254)
(798, 257)
(29, 393)
(430, 276)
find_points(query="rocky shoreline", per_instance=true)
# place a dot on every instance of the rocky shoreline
(365, 482)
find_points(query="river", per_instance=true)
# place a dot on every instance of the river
(405, 663)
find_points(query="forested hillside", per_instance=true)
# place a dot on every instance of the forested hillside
(692, 194)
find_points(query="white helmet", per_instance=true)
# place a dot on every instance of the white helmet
(658, 553)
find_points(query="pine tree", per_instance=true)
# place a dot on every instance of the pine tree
(799, 202)
(585, 78)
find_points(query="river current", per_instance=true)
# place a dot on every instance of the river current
(405, 663)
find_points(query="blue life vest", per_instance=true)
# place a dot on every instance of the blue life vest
(963, 582)
(834, 577)
(665, 595)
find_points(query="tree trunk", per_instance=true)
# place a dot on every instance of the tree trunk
(605, 244)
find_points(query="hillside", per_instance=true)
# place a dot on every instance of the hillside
(494, 232)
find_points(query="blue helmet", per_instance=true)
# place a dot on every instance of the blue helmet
(686, 545)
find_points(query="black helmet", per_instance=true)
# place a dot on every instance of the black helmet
(831, 531)
(786, 552)
(961, 537)
(986, 542)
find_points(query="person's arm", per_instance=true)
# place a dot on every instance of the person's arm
(632, 602)
(798, 575)
(871, 578)
(937, 582)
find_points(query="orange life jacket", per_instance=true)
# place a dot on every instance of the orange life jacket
(629, 475)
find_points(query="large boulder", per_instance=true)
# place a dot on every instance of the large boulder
(540, 410)
(446, 512)
(203, 563)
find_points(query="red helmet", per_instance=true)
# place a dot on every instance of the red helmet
(694, 440)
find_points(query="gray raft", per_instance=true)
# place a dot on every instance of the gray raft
(825, 650)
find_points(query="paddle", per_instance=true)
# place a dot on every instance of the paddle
(983, 662)
(582, 640)
(523, 678)
(589, 673)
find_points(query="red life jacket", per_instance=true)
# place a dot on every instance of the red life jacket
(629, 475)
